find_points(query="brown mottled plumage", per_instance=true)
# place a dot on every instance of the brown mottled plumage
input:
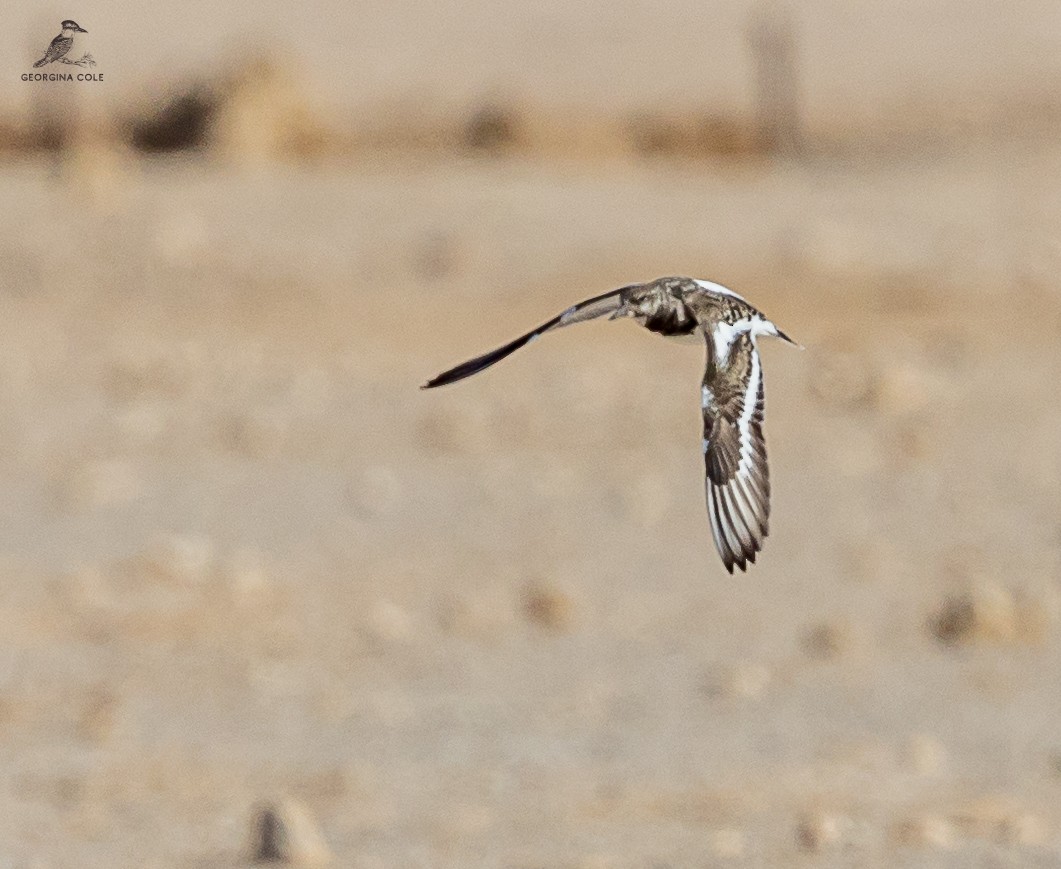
(736, 474)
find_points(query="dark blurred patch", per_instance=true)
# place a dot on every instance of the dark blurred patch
(287, 833)
(491, 128)
(826, 641)
(992, 614)
(254, 112)
(691, 136)
(548, 607)
(180, 123)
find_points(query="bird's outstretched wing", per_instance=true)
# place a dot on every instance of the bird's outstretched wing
(590, 309)
(738, 480)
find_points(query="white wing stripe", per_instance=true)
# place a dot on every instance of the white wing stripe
(751, 396)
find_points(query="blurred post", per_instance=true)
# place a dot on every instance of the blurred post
(771, 37)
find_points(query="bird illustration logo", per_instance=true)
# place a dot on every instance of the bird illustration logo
(737, 480)
(61, 45)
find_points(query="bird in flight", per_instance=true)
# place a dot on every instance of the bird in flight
(62, 44)
(731, 395)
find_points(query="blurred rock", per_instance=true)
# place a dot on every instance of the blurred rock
(826, 641)
(923, 831)
(989, 612)
(286, 833)
(175, 123)
(690, 136)
(1001, 820)
(492, 128)
(818, 831)
(265, 113)
(548, 607)
(1021, 828)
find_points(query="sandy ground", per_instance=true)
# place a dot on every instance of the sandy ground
(244, 558)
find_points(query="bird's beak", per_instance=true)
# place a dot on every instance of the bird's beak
(81, 30)
(785, 337)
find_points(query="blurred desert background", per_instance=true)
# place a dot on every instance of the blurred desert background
(263, 600)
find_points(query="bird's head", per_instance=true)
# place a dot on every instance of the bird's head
(73, 25)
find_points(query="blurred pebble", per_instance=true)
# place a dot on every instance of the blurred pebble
(491, 127)
(264, 112)
(1021, 829)
(286, 832)
(738, 680)
(817, 831)
(548, 607)
(826, 641)
(984, 613)
(100, 484)
(987, 612)
(925, 831)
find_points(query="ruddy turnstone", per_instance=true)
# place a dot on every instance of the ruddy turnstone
(731, 396)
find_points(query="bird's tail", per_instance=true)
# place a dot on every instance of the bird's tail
(40, 62)
(590, 309)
